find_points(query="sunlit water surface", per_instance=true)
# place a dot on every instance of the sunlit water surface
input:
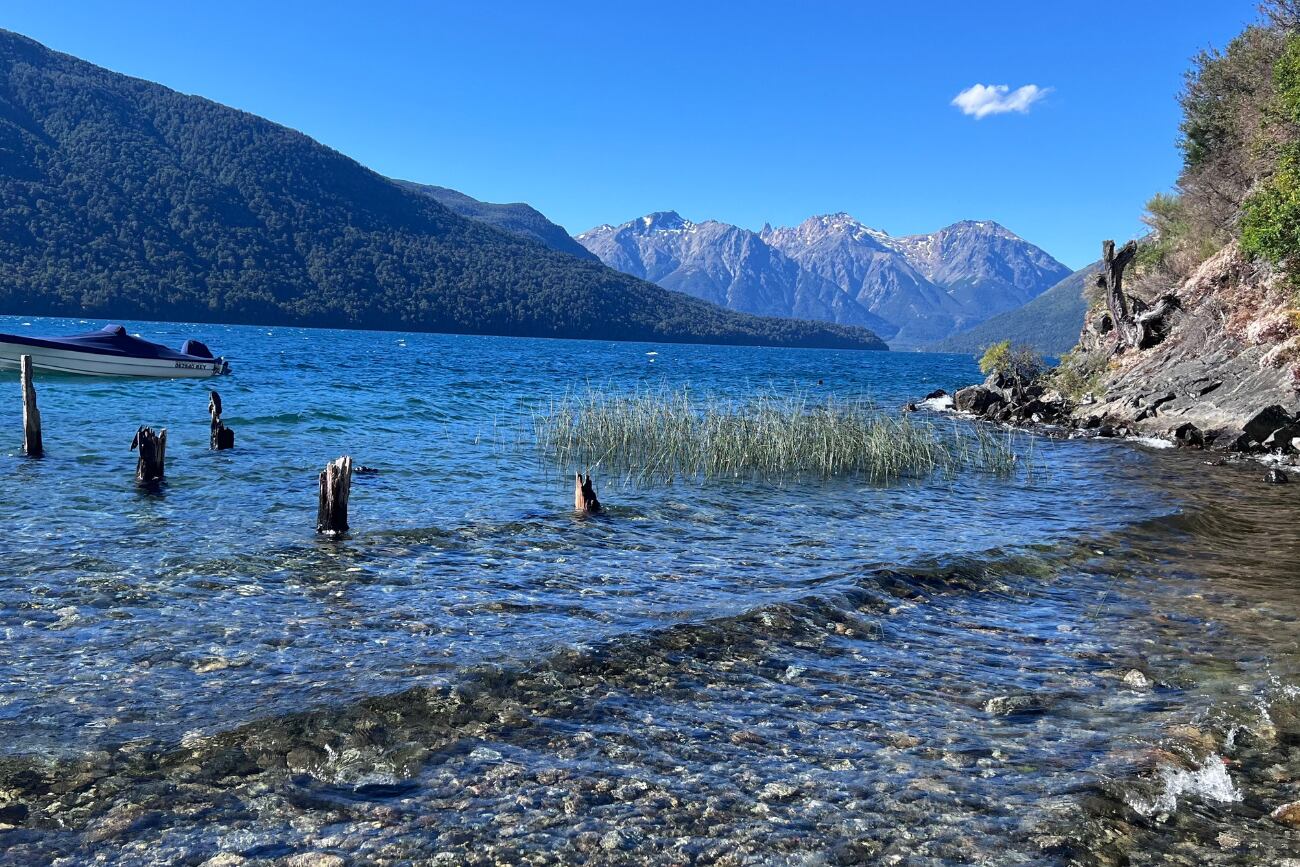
(1092, 661)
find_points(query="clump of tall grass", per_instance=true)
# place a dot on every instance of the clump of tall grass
(666, 434)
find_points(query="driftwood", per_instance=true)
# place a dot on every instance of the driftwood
(33, 447)
(1138, 325)
(149, 468)
(335, 486)
(222, 437)
(584, 495)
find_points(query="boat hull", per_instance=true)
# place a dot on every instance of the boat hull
(59, 360)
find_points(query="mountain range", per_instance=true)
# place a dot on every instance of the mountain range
(120, 198)
(911, 289)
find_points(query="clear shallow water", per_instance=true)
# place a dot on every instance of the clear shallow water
(814, 672)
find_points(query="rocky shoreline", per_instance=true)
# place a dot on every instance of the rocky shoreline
(1270, 435)
(1221, 373)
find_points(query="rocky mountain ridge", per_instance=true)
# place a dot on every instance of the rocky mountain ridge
(724, 264)
(910, 289)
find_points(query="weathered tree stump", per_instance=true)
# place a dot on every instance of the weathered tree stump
(1137, 325)
(335, 486)
(584, 495)
(149, 468)
(33, 446)
(222, 437)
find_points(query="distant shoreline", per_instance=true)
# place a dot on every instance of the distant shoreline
(129, 321)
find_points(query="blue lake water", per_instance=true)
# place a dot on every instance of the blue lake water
(813, 671)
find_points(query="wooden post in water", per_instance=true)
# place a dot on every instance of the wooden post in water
(33, 447)
(153, 455)
(222, 436)
(335, 486)
(584, 495)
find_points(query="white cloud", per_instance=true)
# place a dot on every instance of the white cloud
(981, 100)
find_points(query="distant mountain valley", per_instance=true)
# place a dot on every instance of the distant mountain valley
(913, 290)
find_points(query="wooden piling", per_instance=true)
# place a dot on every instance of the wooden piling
(222, 437)
(335, 486)
(149, 469)
(584, 495)
(33, 446)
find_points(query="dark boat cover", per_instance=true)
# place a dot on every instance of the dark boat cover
(113, 340)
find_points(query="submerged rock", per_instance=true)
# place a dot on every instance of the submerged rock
(778, 792)
(1011, 705)
(315, 859)
(225, 859)
(1276, 477)
(1137, 679)
(1287, 814)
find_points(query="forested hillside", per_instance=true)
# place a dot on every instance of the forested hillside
(514, 217)
(1049, 324)
(120, 198)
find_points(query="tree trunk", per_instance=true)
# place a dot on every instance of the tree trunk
(33, 447)
(1136, 325)
(222, 437)
(584, 495)
(335, 486)
(1111, 279)
(149, 469)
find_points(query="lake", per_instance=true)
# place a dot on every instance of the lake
(1092, 660)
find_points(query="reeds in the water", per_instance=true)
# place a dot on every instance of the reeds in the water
(664, 434)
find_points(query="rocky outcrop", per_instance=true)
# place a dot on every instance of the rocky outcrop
(1004, 399)
(1219, 372)
(1227, 364)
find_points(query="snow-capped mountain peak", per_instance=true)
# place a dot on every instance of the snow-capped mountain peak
(911, 289)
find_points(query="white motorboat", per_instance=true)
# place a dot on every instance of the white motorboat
(110, 352)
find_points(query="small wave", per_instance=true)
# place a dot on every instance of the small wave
(1152, 442)
(1209, 782)
(938, 404)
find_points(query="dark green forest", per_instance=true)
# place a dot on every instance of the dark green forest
(122, 199)
(516, 218)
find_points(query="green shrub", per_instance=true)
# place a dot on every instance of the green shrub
(1270, 217)
(1078, 374)
(1019, 363)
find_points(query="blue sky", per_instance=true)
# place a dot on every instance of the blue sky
(754, 112)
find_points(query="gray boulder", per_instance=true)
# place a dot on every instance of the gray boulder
(1267, 420)
(976, 399)
(1282, 438)
(1189, 436)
